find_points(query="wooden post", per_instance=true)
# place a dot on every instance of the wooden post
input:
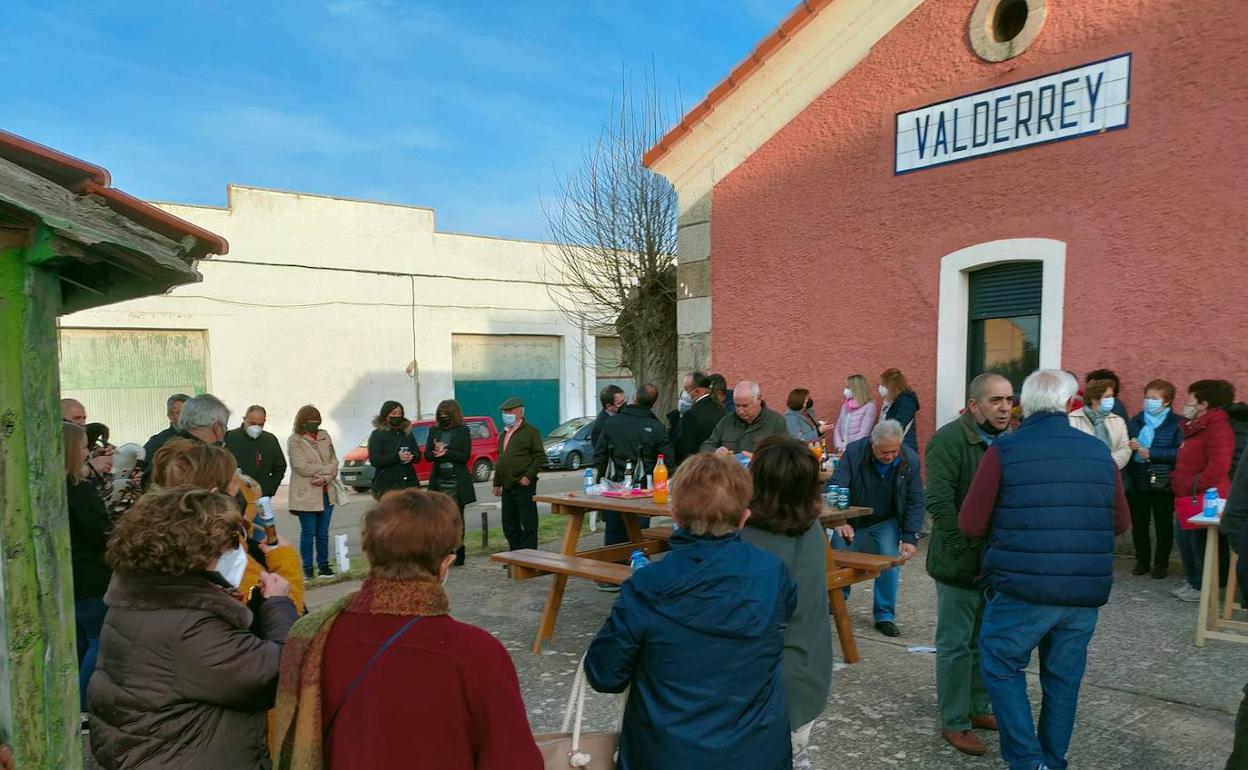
(38, 663)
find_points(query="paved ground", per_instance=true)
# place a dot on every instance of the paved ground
(346, 518)
(1151, 700)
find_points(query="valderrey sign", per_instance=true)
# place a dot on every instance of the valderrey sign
(1082, 100)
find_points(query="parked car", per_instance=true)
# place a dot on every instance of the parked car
(358, 474)
(568, 445)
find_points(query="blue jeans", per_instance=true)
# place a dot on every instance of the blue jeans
(1011, 629)
(883, 539)
(314, 530)
(1191, 543)
(89, 619)
(613, 527)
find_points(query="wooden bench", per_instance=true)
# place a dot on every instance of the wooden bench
(530, 563)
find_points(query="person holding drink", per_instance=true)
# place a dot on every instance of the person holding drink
(448, 448)
(313, 494)
(392, 450)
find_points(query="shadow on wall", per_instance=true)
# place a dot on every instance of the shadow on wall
(353, 414)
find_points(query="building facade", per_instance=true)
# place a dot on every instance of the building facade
(949, 186)
(342, 304)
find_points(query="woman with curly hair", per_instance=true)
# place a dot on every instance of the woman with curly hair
(181, 681)
(205, 466)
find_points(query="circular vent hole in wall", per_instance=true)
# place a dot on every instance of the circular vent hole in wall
(1009, 20)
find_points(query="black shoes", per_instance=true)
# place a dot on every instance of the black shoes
(1140, 569)
(888, 628)
(1161, 571)
(325, 571)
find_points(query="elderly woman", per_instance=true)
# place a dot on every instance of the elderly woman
(1155, 439)
(900, 404)
(699, 637)
(1097, 418)
(392, 450)
(784, 521)
(449, 448)
(182, 681)
(88, 534)
(857, 413)
(1203, 462)
(385, 675)
(800, 419)
(180, 462)
(313, 494)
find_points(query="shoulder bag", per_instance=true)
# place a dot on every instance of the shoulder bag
(563, 750)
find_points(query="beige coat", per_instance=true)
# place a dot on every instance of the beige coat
(309, 460)
(1119, 448)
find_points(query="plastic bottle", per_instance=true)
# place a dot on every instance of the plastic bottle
(628, 475)
(589, 479)
(1211, 503)
(638, 560)
(264, 518)
(660, 482)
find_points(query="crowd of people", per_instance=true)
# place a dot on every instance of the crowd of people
(194, 639)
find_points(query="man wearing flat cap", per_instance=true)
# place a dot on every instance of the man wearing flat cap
(520, 455)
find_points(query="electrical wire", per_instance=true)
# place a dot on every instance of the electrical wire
(387, 273)
(304, 305)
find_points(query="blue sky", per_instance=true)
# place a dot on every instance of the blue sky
(470, 107)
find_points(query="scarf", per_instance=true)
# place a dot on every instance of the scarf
(1098, 423)
(1149, 430)
(296, 739)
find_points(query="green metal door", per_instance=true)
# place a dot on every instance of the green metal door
(490, 368)
(124, 376)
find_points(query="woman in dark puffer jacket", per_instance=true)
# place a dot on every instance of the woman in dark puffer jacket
(181, 680)
(392, 450)
(1156, 434)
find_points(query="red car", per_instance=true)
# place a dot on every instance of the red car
(358, 474)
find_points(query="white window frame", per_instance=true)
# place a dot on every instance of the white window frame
(953, 324)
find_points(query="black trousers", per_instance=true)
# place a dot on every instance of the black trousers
(1239, 754)
(520, 516)
(1156, 507)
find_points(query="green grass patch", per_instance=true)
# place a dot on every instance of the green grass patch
(550, 529)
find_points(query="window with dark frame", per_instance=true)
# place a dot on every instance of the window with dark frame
(1004, 320)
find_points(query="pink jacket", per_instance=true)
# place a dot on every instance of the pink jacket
(853, 424)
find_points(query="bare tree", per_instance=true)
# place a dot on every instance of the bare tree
(614, 265)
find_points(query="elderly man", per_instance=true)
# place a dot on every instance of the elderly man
(884, 476)
(520, 456)
(1049, 500)
(953, 455)
(257, 451)
(204, 419)
(749, 423)
(173, 411)
(73, 411)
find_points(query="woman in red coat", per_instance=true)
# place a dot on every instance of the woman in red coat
(1204, 461)
(386, 678)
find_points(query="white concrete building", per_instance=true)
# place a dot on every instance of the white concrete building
(343, 304)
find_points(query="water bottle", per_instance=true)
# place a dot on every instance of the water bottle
(638, 560)
(628, 475)
(589, 479)
(1211, 503)
(264, 519)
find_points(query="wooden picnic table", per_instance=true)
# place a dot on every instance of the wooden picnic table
(600, 564)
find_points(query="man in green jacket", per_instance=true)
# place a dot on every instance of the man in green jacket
(746, 425)
(953, 456)
(520, 455)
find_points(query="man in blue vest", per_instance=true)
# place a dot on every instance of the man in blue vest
(1049, 501)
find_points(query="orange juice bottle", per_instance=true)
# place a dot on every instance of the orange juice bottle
(817, 450)
(660, 482)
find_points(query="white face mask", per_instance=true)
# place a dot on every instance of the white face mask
(231, 566)
(883, 391)
(848, 393)
(254, 431)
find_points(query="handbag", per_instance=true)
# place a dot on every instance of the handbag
(562, 750)
(1158, 478)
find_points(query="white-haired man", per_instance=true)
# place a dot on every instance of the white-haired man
(748, 423)
(1049, 500)
(883, 475)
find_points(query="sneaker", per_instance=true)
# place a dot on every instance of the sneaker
(308, 575)
(85, 727)
(1161, 571)
(607, 588)
(324, 571)
(1178, 590)
(1188, 594)
(1140, 569)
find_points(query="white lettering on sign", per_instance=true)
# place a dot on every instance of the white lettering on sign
(1068, 104)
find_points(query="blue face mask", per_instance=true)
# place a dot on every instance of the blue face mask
(1153, 406)
(1107, 404)
(509, 419)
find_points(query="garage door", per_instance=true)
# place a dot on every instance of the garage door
(490, 368)
(124, 376)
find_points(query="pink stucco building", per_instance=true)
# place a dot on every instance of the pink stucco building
(950, 185)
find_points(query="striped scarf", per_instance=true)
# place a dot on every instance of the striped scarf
(1098, 423)
(297, 740)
